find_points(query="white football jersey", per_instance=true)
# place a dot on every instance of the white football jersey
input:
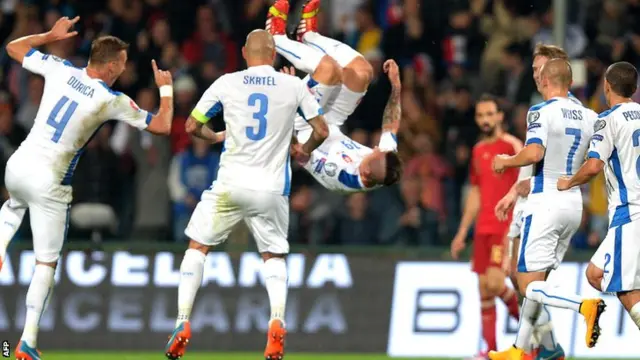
(259, 107)
(335, 164)
(564, 128)
(617, 142)
(72, 110)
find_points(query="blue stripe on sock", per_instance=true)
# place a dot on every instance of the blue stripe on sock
(317, 46)
(288, 52)
(555, 297)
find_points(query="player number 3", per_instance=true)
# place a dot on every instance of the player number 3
(262, 102)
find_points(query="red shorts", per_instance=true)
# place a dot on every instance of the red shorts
(488, 251)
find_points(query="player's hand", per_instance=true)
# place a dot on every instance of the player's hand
(162, 77)
(289, 70)
(298, 154)
(60, 29)
(506, 264)
(457, 245)
(393, 72)
(498, 163)
(564, 183)
(523, 188)
(504, 206)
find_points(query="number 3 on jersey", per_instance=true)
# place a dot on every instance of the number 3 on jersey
(60, 125)
(262, 102)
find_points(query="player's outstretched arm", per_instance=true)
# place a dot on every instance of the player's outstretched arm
(587, 171)
(19, 48)
(530, 154)
(318, 135)
(160, 123)
(393, 111)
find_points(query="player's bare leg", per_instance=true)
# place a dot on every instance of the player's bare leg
(488, 315)
(357, 72)
(11, 216)
(497, 287)
(629, 299)
(191, 270)
(38, 297)
(325, 73)
(275, 280)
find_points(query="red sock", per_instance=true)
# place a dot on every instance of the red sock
(510, 299)
(489, 318)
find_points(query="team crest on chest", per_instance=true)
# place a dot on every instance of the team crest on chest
(330, 169)
(346, 158)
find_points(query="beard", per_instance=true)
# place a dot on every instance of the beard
(488, 130)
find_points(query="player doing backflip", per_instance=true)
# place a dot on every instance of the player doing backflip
(75, 104)
(615, 267)
(556, 143)
(254, 178)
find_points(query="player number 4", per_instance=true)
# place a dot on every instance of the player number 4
(60, 125)
(262, 102)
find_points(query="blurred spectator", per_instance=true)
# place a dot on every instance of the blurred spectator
(29, 108)
(401, 218)
(575, 41)
(597, 205)
(192, 172)
(307, 220)
(368, 35)
(185, 100)
(10, 135)
(355, 224)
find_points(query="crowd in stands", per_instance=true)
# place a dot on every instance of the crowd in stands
(450, 52)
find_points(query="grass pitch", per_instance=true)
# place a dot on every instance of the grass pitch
(210, 356)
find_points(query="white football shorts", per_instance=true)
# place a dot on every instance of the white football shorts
(621, 268)
(545, 236)
(223, 206)
(34, 187)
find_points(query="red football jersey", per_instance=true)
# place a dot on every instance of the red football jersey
(492, 186)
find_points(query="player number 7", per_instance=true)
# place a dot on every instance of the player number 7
(574, 147)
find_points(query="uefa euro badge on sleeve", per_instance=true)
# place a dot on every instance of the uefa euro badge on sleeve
(599, 125)
(533, 117)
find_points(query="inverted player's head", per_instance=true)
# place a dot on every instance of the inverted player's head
(489, 116)
(108, 58)
(541, 55)
(556, 77)
(621, 81)
(381, 168)
(259, 48)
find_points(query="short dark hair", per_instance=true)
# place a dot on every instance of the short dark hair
(105, 49)
(550, 51)
(486, 97)
(393, 169)
(623, 78)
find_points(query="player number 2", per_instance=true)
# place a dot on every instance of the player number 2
(60, 125)
(574, 147)
(635, 137)
(262, 102)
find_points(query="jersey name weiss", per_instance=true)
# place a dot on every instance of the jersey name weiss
(617, 142)
(259, 108)
(563, 127)
(73, 108)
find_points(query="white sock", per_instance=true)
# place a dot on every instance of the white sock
(635, 314)
(38, 297)
(547, 294)
(528, 316)
(275, 280)
(303, 57)
(340, 52)
(191, 271)
(543, 330)
(10, 220)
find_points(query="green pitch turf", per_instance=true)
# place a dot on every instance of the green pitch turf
(213, 356)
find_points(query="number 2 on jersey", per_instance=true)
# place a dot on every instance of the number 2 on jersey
(262, 101)
(635, 137)
(574, 147)
(60, 125)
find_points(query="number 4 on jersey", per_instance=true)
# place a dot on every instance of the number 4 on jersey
(62, 123)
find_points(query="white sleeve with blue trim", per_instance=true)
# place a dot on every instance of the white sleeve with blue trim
(602, 141)
(537, 127)
(123, 108)
(210, 103)
(43, 64)
(308, 106)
